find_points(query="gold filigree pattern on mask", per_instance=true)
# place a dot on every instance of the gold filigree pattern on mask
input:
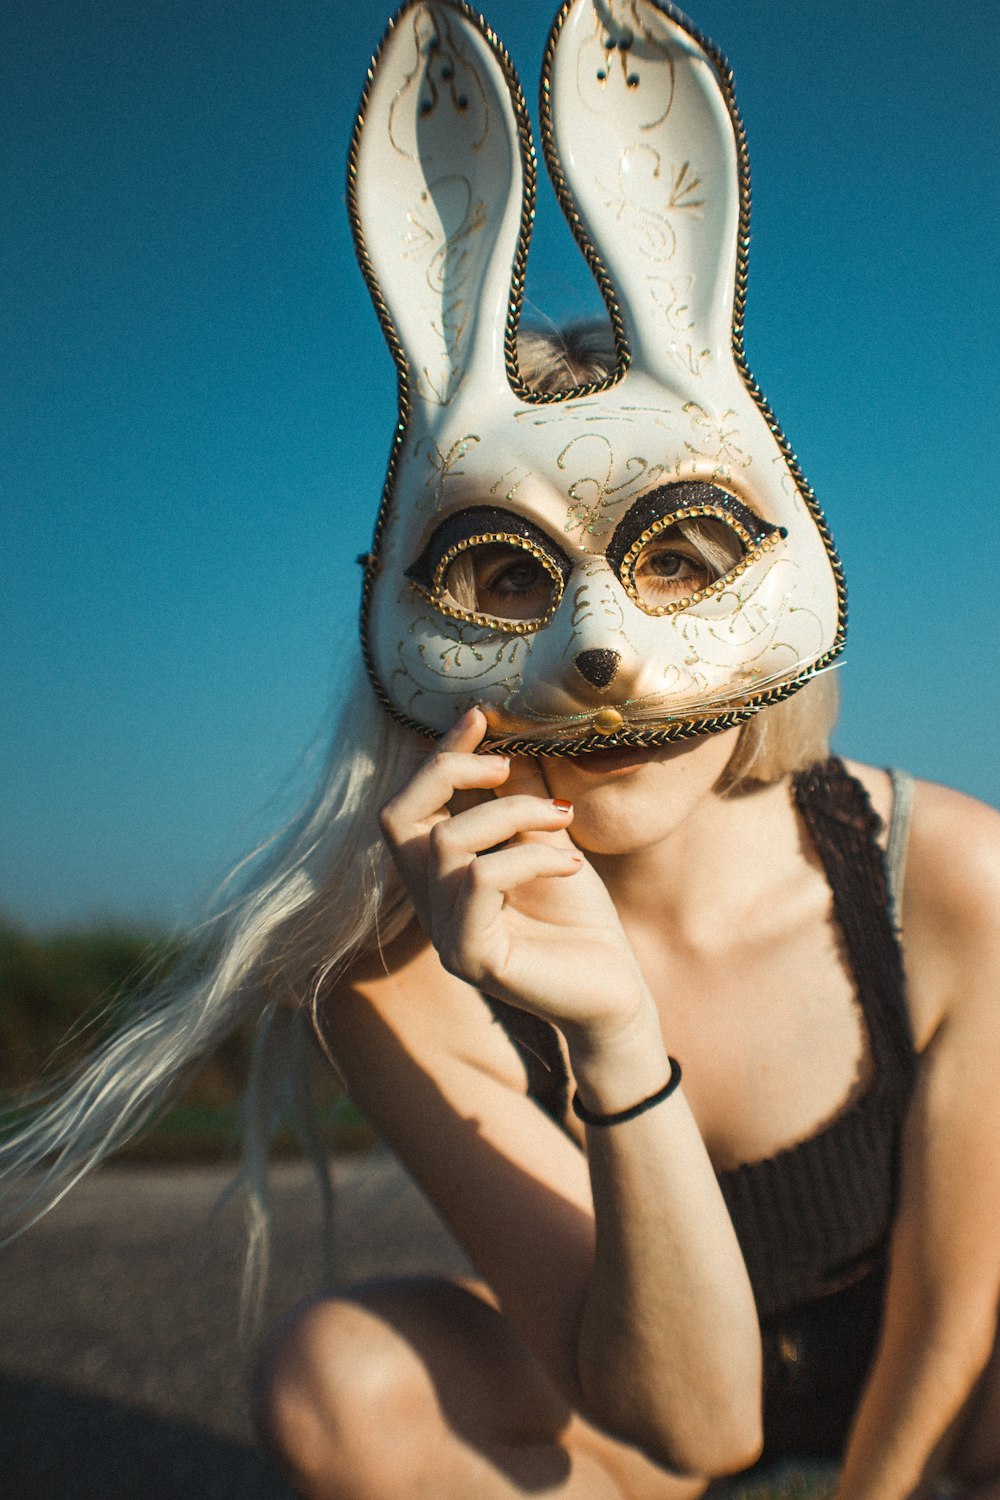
(670, 299)
(644, 200)
(693, 361)
(442, 72)
(685, 185)
(498, 484)
(444, 466)
(446, 240)
(593, 496)
(474, 656)
(637, 202)
(585, 606)
(442, 97)
(718, 434)
(462, 217)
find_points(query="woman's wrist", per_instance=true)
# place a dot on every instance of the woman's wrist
(632, 1111)
(619, 1062)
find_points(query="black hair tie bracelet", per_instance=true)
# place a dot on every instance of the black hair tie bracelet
(620, 1116)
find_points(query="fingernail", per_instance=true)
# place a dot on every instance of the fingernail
(561, 806)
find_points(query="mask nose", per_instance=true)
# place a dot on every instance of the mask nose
(597, 667)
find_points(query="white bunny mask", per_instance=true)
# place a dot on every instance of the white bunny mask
(539, 553)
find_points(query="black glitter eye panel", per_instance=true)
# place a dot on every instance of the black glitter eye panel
(695, 498)
(482, 522)
(684, 542)
(492, 568)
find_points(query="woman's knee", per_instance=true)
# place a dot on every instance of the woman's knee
(341, 1401)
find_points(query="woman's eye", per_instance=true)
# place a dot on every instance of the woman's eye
(501, 580)
(662, 573)
(512, 579)
(673, 565)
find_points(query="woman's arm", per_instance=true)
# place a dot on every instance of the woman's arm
(944, 1288)
(627, 1280)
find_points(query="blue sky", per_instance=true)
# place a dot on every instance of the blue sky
(196, 402)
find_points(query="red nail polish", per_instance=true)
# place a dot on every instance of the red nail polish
(563, 807)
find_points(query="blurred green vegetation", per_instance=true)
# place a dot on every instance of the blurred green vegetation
(53, 985)
(62, 992)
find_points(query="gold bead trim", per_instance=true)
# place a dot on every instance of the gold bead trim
(689, 512)
(435, 594)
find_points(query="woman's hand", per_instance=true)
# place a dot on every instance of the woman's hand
(509, 903)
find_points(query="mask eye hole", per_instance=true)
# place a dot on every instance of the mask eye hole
(677, 562)
(500, 580)
(682, 559)
(493, 568)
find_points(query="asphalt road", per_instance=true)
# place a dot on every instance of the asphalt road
(121, 1373)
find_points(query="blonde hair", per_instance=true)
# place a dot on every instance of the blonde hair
(288, 921)
(292, 919)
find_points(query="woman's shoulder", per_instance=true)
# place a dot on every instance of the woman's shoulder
(400, 996)
(954, 840)
(950, 909)
(953, 867)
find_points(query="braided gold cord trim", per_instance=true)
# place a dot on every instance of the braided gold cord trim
(709, 724)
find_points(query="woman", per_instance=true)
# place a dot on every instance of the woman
(605, 572)
(609, 594)
(629, 557)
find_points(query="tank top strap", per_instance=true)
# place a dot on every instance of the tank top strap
(898, 840)
(844, 830)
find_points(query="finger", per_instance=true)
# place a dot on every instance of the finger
(462, 739)
(425, 797)
(466, 732)
(408, 817)
(454, 841)
(506, 869)
(487, 881)
(525, 778)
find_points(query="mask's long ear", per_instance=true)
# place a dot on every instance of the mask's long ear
(645, 152)
(440, 183)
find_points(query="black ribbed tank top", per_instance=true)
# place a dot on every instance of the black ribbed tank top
(814, 1218)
